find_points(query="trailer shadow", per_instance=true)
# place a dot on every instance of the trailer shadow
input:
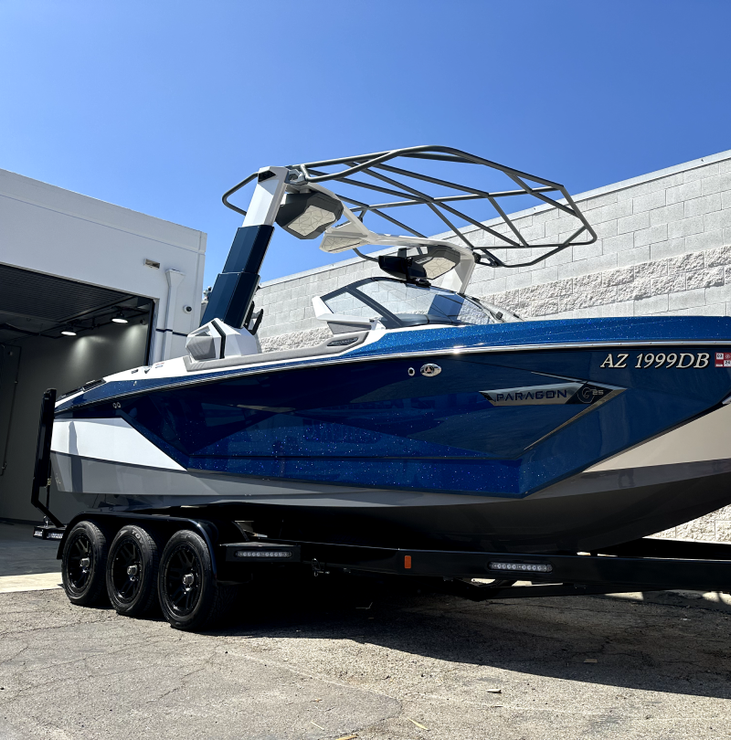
(607, 640)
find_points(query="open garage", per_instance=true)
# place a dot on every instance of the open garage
(86, 289)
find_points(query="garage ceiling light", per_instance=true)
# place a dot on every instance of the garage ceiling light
(68, 332)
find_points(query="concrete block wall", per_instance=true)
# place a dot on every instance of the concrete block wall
(664, 247)
(714, 527)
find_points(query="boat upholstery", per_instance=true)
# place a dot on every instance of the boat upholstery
(333, 346)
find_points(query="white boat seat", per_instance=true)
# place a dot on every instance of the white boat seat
(333, 346)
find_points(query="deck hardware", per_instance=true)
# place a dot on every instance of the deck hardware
(430, 370)
(317, 569)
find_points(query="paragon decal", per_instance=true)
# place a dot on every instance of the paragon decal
(646, 360)
(546, 395)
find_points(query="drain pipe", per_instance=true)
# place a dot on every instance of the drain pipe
(14, 353)
(174, 278)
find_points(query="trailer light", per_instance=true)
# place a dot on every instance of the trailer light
(46, 534)
(522, 567)
(262, 554)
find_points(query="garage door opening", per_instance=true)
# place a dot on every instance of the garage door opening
(56, 333)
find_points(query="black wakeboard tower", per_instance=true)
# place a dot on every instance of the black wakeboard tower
(295, 198)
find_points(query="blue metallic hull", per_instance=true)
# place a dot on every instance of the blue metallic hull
(369, 421)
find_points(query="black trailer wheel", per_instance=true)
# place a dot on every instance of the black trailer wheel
(190, 596)
(132, 571)
(83, 563)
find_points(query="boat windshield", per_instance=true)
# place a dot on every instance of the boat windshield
(396, 304)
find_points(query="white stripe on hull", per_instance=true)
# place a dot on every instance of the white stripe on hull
(108, 439)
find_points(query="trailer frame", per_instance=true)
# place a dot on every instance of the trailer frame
(646, 564)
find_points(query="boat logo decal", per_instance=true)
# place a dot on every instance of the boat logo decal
(678, 360)
(547, 395)
(430, 370)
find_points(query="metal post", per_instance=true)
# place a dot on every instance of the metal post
(234, 288)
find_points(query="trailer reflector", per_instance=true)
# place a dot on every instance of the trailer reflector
(407, 562)
(522, 567)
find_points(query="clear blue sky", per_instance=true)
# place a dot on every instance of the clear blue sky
(161, 106)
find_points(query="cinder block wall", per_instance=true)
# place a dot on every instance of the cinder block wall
(664, 247)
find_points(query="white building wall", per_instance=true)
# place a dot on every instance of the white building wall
(54, 231)
(664, 247)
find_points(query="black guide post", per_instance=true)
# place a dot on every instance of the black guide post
(42, 471)
(234, 289)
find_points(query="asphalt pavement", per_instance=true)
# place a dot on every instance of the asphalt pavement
(354, 658)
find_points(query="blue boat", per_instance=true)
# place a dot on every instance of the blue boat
(429, 419)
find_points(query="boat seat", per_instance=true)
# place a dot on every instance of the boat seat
(217, 340)
(333, 346)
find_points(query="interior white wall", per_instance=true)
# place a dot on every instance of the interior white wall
(65, 364)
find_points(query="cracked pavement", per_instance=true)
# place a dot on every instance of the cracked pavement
(330, 658)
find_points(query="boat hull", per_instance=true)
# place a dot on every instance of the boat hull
(584, 513)
(515, 444)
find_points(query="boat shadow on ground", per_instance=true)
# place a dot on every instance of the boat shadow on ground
(613, 641)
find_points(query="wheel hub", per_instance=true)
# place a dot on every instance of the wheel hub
(188, 580)
(85, 563)
(132, 571)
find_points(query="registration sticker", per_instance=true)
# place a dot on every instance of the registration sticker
(723, 359)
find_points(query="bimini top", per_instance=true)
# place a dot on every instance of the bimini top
(427, 189)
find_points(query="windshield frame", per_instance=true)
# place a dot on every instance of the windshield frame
(393, 320)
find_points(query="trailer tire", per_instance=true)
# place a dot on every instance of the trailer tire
(131, 572)
(190, 597)
(83, 564)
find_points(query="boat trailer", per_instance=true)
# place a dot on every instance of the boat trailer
(131, 557)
